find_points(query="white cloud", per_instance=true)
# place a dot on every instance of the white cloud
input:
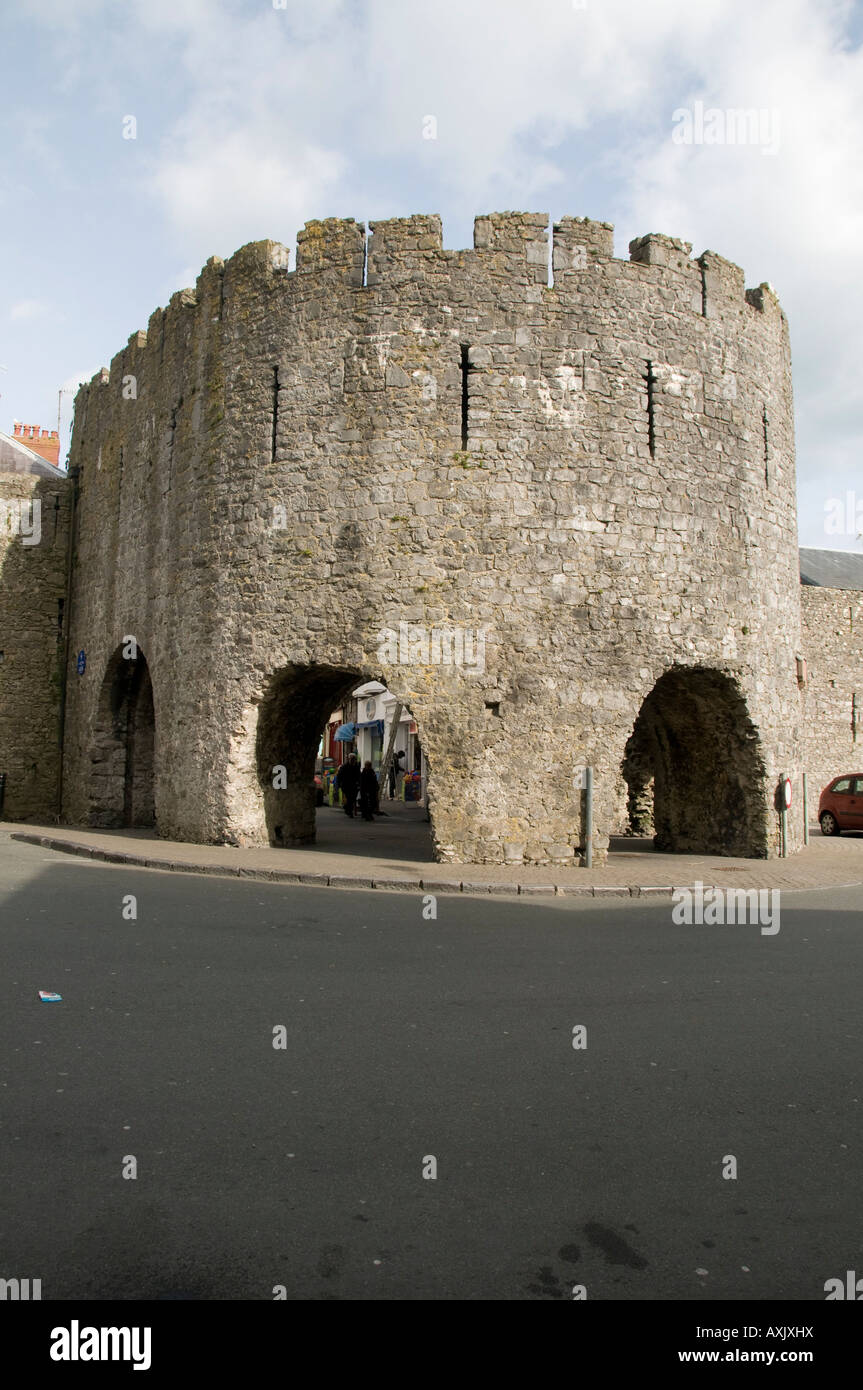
(795, 218)
(27, 309)
(235, 187)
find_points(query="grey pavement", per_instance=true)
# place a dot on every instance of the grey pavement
(395, 853)
(408, 1039)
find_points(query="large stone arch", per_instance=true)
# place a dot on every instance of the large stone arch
(695, 746)
(293, 711)
(122, 779)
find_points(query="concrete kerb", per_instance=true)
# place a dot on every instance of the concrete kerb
(269, 875)
(85, 851)
(347, 881)
(397, 885)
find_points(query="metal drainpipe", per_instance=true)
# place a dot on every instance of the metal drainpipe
(74, 474)
(588, 817)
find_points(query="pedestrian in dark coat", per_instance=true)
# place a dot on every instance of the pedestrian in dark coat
(348, 783)
(368, 792)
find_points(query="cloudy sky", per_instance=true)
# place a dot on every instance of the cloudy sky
(253, 116)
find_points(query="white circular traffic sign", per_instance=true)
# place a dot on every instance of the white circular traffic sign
(786, 792)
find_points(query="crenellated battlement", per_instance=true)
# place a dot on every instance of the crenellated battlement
(657, 249)
(534, 356)
(513, 254)
(578, 244)
(334, 245)
(534, 332)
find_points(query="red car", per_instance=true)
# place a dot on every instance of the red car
(841, 804)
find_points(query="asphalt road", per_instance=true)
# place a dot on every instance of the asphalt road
(408, 1038)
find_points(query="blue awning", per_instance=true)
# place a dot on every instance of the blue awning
(377, 725)
(345, 733)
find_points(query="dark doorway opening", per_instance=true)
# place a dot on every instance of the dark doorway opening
(693, 768)
(123, 756)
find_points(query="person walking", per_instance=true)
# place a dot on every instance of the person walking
(368, 792)
(348, 783)
(395, 771)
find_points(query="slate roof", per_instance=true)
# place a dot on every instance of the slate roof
(831, 569)
(15, 457)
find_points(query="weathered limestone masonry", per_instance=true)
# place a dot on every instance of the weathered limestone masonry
(597, 475)
(833, 646)
(34, 530)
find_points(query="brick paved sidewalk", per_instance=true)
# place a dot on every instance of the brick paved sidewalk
(826, 863)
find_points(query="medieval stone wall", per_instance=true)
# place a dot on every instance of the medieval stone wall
(596, 475)
(832, 644)
(34, 528)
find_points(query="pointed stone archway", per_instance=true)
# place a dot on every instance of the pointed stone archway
(292, 715)
(695, 754)
(122, 787)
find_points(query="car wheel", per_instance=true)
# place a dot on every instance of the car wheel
(829, 823)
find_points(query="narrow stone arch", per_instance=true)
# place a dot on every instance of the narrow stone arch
(695, 754)
(292, 713)
(122, 786)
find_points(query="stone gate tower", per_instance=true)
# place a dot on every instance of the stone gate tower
(583, 465)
